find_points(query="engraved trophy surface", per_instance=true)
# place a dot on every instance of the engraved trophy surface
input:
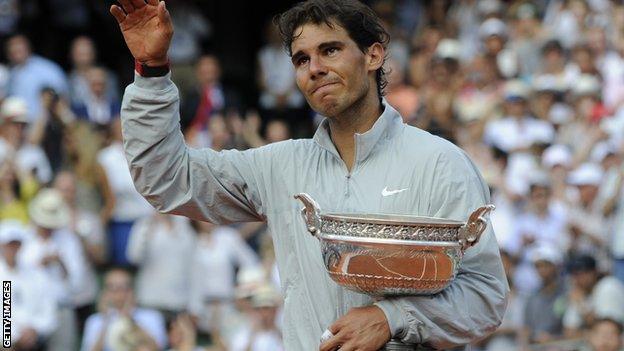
(392, 255)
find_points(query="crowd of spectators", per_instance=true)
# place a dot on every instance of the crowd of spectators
(533, 91)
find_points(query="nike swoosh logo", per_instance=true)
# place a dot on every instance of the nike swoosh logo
(385, 192)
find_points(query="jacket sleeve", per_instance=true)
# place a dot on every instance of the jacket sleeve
(219, 187)
(473, 305)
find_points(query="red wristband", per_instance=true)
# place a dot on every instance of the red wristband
(151, 71)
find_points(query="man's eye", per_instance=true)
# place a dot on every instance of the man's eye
(331, 50)
(302, 61)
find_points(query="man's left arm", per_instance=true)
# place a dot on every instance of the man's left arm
(473, 305)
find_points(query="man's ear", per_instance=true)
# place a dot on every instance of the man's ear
(375, 56)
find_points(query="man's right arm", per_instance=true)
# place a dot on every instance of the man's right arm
(220, 187)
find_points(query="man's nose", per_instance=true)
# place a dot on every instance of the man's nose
(317, 67)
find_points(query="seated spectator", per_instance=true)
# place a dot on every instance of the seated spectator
(97, 107)
(263, 335)
(162, 248)
(31, 73)
(57, 251)
(83, 56)
(183, 335)
(33, 313)
(542, 319)
(29, 158)
(16, 190)
(120, 325)
(605, 334)
(592, 296)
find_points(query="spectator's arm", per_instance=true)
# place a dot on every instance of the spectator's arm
(138, 242)
(107, 194)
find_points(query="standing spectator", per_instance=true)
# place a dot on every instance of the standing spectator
(162, 248)
(263, 334)
(219, 251)
(129, 205)
(33, 312)
(29, 158)
(82, 221)
(591, 297)
(119, 324)
(97, 107)
(83, 56)
(31, 73)
(57, 250)
(542, 317)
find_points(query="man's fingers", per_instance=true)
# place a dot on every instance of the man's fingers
(163, 14)
(127, 6)
(334, 343)
(137, 3)
(118, 13)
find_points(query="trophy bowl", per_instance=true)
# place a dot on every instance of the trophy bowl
(390, 255)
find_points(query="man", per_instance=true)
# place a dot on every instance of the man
(119, 324)
(362, 158)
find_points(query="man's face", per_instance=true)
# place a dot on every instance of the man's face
(605, 336)
(118, 287)
(332, 72)
(546, 270)
(18, 50)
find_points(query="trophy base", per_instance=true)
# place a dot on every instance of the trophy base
(397, 345)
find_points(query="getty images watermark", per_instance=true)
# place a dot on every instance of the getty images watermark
(6, 313)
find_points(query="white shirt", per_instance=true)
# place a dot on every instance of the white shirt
(509, 134)
(129, 204)
(164, 256)
(605, 301)
(263, 341)
(213, 275)
(151, 321)
(80, 286)
(278, 76)
(31, 305)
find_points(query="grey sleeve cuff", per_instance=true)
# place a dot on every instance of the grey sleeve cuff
(395, 317)
(153, 83)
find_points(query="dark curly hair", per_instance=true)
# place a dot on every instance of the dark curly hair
(360, 21)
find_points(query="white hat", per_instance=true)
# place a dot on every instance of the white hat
(493, 26)
(586, 174)
(448, 48)
(248, 279)
(557, 155)
(586, 84)
(548, 253)
(516, 88)
(487, 7)
(12, 230)
(602, 150)
(49, 210)
(560, 113)
(14, 109)
(265, 296)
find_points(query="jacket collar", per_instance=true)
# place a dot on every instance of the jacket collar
(387, 125)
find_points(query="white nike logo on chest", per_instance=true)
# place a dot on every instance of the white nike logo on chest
(385, 192)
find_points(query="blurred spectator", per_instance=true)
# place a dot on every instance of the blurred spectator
(9, 17)
(219, 251)
(402, 96)
(97, 107)
(263, 334)
(540, 224)
(51, 126)
(83, 222)
(208, 97)
(82, 144)
(543, 311)
(592, 296)
(29, 158)
(129, 205)
(83, 56)
(57, 250)
(31, 73)
(494, 34)
(33, 313)
(183, 335)
(605, 334)
(526, 37)
(119, 325)
(162, 248)
(16, 190)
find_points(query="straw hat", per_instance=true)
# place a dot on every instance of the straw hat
(49, 210)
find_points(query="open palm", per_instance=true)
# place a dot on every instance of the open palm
(147, 29)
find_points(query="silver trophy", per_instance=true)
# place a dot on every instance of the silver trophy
(392, 255)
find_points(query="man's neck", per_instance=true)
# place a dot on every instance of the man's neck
(359, 118)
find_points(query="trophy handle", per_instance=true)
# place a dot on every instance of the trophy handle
(311, 213)
(470, 233)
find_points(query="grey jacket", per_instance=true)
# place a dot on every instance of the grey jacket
(259, 184)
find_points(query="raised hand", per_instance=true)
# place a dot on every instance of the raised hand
(147, 29)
